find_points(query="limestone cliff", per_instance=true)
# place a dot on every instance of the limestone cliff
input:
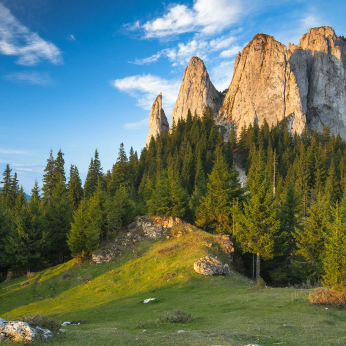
(158, 123)
(305, 84)
(196, 91)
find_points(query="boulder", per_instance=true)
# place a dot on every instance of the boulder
(104, 255)
(208, 266)
(21, 331)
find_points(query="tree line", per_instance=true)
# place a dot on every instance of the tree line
(287, 222)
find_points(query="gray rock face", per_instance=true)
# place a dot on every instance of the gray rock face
(158, 123)
(21, 331)
(155, 226)
(305, 84)
(325, 97)
(208, 266)
(196, 92)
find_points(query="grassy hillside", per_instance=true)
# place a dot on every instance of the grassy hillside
(225, 309)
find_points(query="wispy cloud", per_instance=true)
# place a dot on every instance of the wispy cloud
(183, 52)
(71, 38)
(145, 88)
(205, 17)
(138, 125)
(18, 40)
(12, 151)
(230, 53)
(30, 77)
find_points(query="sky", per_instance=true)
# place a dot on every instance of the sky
(83, 74)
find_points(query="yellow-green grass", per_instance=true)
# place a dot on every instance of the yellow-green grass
(225, 309)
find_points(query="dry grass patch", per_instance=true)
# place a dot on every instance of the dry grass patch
(325, 296)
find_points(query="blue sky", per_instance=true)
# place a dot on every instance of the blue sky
(82, 74)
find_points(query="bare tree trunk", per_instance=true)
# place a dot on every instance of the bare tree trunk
(258, 266)
(253, 266)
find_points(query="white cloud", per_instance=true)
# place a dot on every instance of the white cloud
(145, 89)
(18, 40)
(206, 17)
(138, 125)
(183, 52)
(30, 77)
(72, 38)
(12, 151)
(230, 53)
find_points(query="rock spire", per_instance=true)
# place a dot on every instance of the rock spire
(158, 123)
(305, 84)
(196, 92)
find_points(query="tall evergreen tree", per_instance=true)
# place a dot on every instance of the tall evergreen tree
(260, 224)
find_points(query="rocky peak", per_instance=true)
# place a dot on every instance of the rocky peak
(258, 86)
(305, 84)
(196, 92)
(158, 123)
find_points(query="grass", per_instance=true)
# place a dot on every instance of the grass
(225, 310)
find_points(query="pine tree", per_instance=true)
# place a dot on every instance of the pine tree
(6, 188)
(334, 261)
(119, 172)
(59, 167)
(93, 176)
(57, 218)
(49, 178)
(310, 239)
(82, 238)
(74, 187)
(215, 210)
(260, 224)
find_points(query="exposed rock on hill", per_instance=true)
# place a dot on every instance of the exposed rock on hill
(196, 92)
(305, 84)
(208, 266)
(158, 123)
(21, 331)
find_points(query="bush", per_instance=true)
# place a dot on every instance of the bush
(41, 321)
(325, 296)
(260, 284)
(30, 275)
(178, 316)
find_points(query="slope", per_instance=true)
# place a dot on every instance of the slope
(226, 311)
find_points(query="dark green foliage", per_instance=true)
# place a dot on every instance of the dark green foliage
(94, 175)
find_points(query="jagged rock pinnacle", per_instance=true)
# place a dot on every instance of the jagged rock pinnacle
(158, 123)
(196, 92)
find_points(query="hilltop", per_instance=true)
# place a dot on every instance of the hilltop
(226, 309)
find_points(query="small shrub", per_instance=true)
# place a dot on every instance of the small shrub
(30, 275)
(41, 321)
(260, 284)
(178, 316)
(167, 250)
(326, 296)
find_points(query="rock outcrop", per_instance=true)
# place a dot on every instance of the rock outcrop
(158, 123)
(196, 92)
(208, 266)
(155, 226)
(305, 84)
(21, 331)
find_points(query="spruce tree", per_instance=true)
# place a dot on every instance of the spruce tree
(334, 261)
(74, 187)
(49, 178)
(260, 224)
(93, 176)
(215, 211)
(310, 239)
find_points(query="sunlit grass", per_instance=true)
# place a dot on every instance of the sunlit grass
(225, 310)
